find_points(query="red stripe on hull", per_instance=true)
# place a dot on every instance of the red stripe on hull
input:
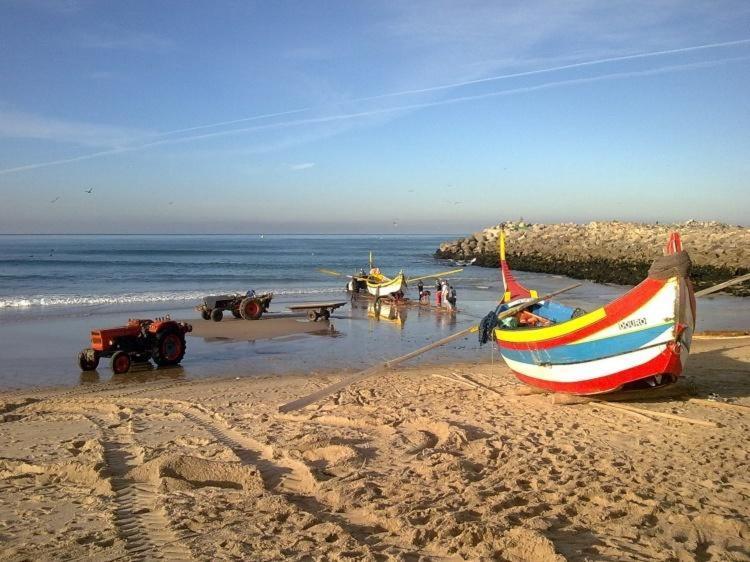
(511, 285)
(667, 362)
(616, 311)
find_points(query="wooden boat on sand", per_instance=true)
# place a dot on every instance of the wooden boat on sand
(378, 285)
(641, 339)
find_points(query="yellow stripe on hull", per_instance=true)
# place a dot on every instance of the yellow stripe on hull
(388, 287)
(554, 331)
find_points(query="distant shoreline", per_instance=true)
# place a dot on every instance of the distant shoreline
(610, 252)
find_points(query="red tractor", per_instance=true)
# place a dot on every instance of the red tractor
(162, 340)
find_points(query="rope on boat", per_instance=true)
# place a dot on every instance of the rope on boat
(487, 327)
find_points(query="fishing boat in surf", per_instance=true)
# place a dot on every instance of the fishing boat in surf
(639, 340)
(378, 285)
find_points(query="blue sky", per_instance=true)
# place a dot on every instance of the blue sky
(345, 116)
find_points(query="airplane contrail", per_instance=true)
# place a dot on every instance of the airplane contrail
(559, 68)
(354, 115)
(461, 99)
(469, 83)
(121, 149)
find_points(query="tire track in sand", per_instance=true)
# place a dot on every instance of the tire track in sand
(281, 475)
(142, 524)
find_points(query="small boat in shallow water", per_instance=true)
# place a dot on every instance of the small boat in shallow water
(641, 339)
(378, 285)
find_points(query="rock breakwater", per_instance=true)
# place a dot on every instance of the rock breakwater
(610, 252)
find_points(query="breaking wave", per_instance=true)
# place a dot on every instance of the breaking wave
(18, 302)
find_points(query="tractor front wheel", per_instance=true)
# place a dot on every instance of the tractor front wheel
(251, 309)
(169, 348)
(217, 315)
(120, 362)
(88, 360)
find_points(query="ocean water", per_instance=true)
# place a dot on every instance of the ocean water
(55, 289)
(81, 271)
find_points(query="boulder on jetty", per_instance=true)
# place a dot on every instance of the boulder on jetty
(610, 252)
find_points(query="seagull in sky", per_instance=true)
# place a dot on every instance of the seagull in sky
(55, 199)
(89, 190)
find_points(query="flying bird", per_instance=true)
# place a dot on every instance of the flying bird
(89, 190)
(55, 199)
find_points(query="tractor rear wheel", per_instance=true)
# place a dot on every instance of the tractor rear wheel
(251, 309)
(120, 362)
(217, 315)
(169, 348)
(205, 314)
(88, 360)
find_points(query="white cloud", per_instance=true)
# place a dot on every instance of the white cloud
(19, 125)
(303, 166)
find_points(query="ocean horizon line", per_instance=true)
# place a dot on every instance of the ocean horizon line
(225, 234)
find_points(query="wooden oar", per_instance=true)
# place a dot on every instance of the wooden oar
(328, 390)
(334, 273)
(724, 285)
(442, 273)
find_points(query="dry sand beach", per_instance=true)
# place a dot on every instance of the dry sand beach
(423, 463)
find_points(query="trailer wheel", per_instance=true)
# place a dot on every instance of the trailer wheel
(251, 309)
(205, 314)
(169, 348)
(120, 362)
(312, 315)
(217, 315)
(88, 360)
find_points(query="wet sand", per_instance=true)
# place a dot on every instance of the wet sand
(423, 463)
(248, 330)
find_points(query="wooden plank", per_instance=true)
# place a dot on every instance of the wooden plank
(322, 393)
(328, 390)
(314, 305)
(724, 285)
(722, 405)
(645, 412)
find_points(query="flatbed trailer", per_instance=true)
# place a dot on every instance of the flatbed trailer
(317, 310)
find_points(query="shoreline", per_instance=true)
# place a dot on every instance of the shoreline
(609, 252)
(422, 462)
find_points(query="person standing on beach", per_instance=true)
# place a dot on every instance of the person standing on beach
(444, 289)
(452, 297)
(438, 292)
(420, 290)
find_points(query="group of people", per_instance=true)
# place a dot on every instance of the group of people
(445, 294)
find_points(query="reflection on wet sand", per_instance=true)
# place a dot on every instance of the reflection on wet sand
(387, 312)
(138, 373)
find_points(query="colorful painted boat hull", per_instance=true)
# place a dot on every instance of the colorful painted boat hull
(387, 287)
(644, 335)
